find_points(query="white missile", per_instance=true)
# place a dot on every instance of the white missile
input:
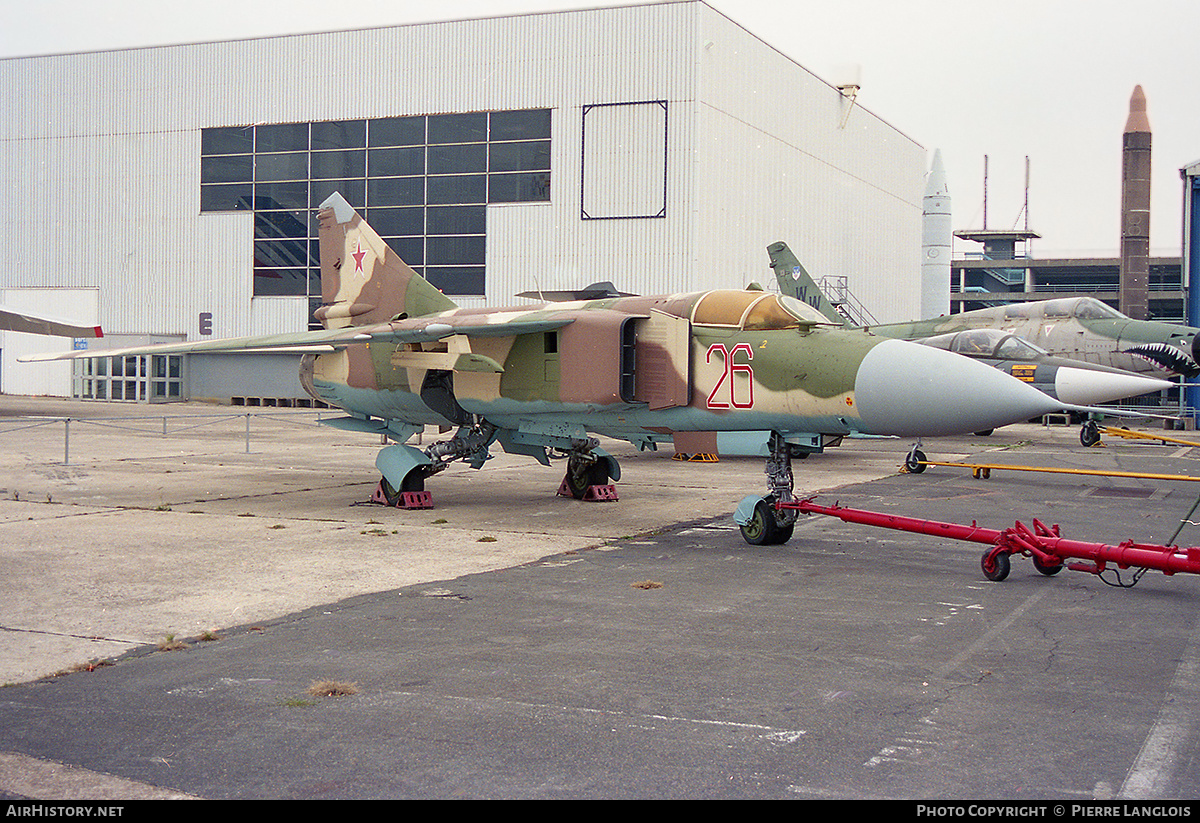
(936, 237)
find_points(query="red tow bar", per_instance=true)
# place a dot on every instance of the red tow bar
(1043, 544)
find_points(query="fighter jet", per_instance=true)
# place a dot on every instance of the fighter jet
(1071, 381)
(1076, 328)
(13, 320)
(547, 380)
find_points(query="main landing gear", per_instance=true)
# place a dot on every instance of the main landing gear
(589, 475)
(761, 519)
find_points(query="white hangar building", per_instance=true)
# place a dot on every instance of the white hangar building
(168, 193)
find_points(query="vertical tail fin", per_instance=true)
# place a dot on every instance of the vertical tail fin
(362, 280)
(795, 281)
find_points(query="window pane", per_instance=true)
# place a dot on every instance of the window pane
(458, 128)
(226, 198)
(280, 225)
(346, 134)
(520, 125)
(455, 251)
(327, 165)
(279, 281)
(518, 188)
(281, 137)
(532, 156)
(227, 140)
(277, 196)
(458, 159)
(410, 249)
(397, 131)
(457, 220)
(462, 189)
(293, 166)
(397, 222)
(457, 280)
(226, 168)
(397, 191)
(396, 162)
(353, 190)
(281, 254)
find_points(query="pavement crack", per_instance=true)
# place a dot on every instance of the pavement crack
(95, 637)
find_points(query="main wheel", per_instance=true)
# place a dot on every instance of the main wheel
(995, 569)
(414, 481)
(579, 478)
(1089, 435)
(915, 462)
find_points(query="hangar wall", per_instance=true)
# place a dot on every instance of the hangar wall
(100, 154)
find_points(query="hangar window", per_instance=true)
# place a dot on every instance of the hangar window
(422, 181)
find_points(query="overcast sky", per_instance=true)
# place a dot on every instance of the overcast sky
(1047, 79)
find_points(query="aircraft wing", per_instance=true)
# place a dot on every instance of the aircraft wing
(13, 320)
(421, 330)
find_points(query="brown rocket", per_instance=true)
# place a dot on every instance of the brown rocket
(1135, 209)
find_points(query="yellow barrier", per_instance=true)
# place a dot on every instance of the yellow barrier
(1132, 435)
(984, 471)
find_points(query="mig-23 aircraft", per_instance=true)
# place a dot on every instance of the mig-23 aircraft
(545, 380)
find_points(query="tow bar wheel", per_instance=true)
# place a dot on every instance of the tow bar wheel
(995, 566)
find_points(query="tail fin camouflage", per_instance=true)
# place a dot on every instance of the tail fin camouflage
(362, 280)
(796, 282)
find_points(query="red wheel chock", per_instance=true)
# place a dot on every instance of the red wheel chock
(594, 494)
(406, 500)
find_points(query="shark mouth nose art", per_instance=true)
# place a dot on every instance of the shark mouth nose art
(1166, 357)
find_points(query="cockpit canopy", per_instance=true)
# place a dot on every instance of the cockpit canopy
(986, 343)
(1084, 308)
(754, 311)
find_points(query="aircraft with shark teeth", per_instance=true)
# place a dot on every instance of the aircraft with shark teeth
(547, 380)
(1082, 329)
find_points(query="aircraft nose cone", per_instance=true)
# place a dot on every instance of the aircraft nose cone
(908, 389)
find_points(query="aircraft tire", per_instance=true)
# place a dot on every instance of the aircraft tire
(594, 475)
(1089, 435)
(762, 530)
(1000, 566)
(915, 462)
(414, 481)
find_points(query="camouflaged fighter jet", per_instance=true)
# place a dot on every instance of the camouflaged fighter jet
(1076, 328)
(543, 380)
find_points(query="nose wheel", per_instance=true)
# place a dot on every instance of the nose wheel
(769, 524)
(765, 528)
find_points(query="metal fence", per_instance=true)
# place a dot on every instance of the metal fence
(164, 425)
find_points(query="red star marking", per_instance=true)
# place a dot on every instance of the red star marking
(358, 256)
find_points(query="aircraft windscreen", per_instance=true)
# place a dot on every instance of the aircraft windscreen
(976, 342)
(1089, 308)
(1014, 348)
(801, 310)
(985, 343)
(754, 310)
